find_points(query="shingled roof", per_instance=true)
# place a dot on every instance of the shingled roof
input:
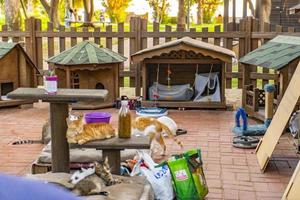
(275, 54)
(86, 52)
(6, 47)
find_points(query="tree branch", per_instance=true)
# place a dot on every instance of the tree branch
(45, 5)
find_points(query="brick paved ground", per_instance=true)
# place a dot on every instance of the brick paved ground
(231, 173)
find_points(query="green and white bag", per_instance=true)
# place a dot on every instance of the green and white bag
(187, 175)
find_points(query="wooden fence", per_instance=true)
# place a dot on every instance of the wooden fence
(41, 44)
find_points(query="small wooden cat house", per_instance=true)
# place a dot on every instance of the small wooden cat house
(281, 55)
(88, 66)
(184, 73)
(16, 70)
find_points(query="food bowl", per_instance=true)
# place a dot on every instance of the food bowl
(97, 117)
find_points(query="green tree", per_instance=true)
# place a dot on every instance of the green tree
(160, 8)
(116, 9)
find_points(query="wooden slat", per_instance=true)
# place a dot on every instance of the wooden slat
(132, 48)
(193, 30)
(62, 40)
(168, 29)
(228, 66)
(73, 39)
(254, 45)
(85, 30)
(155, 30)
(96, 35)
(267, 28)
(108, 29)
(50, 41)
(242, 49)
(39, 46)
(217, 41)
(204, 30)
(121, 48)
(4, 28)
(16, 38)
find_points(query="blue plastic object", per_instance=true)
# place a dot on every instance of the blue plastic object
(252, 130)
(151, 112)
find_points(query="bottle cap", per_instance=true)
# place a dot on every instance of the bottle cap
(124, 103)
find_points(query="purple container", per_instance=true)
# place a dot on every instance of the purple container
(97, 117)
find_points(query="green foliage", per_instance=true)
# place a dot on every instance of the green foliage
(169, 20)
(209, 9)
(160, 8)
(116, 9)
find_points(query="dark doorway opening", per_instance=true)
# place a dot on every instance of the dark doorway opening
(6, 88)
(99, 86)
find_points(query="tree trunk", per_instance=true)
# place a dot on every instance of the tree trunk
(52, 11)
(251, 7)
(199, 12)
(88, 12)
(266, 12)
(12, 13)
(181, 15)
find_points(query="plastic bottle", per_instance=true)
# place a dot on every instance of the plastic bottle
(124, 121)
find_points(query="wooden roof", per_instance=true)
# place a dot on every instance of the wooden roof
(86, 53)
(275, 54)
(188, 44)
(6, 47)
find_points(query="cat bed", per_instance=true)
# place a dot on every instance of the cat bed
(151, 112)
(170, 93)
(83, 155)
(207, 87)
(134, 188)
(245, 142)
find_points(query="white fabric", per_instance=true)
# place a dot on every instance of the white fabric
(210, 80)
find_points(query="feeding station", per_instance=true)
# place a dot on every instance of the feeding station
(17, 70)
(281, 55)
(185, 73)
(88, 66)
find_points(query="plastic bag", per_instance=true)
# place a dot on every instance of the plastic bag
(158, 177)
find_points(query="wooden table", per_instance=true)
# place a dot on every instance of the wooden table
(58, 114)
(111, 148)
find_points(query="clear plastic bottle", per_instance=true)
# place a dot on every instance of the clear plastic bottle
(124, 128)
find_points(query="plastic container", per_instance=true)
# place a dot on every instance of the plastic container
(97, 117)
(50, 83)
(124, 128)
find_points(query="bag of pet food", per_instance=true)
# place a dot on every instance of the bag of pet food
(187, 175)
(158, 177)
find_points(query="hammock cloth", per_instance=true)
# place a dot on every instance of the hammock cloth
(207, 87)
(171, 93)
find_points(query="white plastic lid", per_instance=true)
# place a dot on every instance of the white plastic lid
(124, 103)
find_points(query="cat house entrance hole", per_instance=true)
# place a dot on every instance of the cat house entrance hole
(6, 88)
(99, 86)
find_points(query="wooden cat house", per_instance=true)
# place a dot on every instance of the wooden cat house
(16, 70)
(88, 66)
(185, 73)
(280, 55)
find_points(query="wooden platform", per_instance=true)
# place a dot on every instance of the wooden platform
(185, 104)
(14, 102)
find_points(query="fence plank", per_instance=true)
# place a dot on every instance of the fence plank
(228, 43)
(155, 30)
(62, 40)
(168, 29)
(16, 38)
(39, 46)
(108, 29)
(193, 30)
(50, 41)
(217, 41)
(4, 29)
(204, 30)
(254, 45)
(96, 37)
(132, 48)
(73, 39)
(121, 51)
(267, 28)
(85, 31)
(242, 47)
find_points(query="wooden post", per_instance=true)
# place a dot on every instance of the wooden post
(138, 46)
(62, 40)
(255, 99)
(39, 50)
(269, 101)
(283, 81)
(228, 43)
(59, 144)
(121, 51)
(108, 29)
(155, 30)
(132, 48)
(68, 78)
(226, 14)
(234, 14)
(245, 7)
(246, 81)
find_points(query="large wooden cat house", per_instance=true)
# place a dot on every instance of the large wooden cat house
(184, 73)
(88, 66)
(16, 70)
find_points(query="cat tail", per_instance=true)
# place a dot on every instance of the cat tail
(26, 142)
(170, 134)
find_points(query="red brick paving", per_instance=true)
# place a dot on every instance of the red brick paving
(231, 173)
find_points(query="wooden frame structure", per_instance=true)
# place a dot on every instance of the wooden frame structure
(17, 70)
(185, 57)
(286, 51)
(87, 66)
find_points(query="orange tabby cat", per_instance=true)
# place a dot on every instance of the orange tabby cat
(154, 128)
(80, 132)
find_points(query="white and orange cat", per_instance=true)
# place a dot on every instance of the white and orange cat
(80, 132)
(156, 129)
